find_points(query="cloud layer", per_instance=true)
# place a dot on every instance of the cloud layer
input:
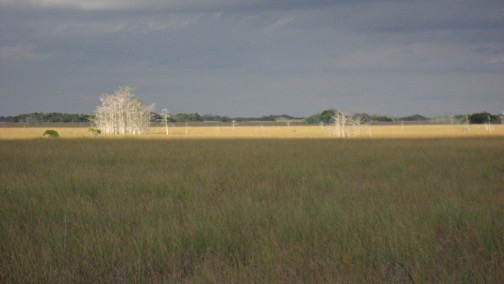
(254, 57)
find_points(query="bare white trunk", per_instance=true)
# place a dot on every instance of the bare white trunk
(165, 119)
(467, 128)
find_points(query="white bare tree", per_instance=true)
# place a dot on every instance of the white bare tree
(122, 113)
(347, 125)
(467, 128)
(488, 126)
(165, 120)
(340, 119)
(356, 122)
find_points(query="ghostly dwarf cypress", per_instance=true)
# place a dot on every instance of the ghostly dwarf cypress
(340, 119)
(346, 125)
(122, 113)
(165, 120)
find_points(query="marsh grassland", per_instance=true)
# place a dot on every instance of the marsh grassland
(213, 210)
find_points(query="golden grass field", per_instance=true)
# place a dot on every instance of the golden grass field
(272, 204)
(292, 132)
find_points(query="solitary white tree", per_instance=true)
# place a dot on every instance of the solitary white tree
(165, 119)
(467, 128)
(488, 126)
(122, 113)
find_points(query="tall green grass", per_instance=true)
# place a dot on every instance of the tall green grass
(130, 210)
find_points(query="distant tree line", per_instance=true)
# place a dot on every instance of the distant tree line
(326, 117)
(41, 117)
(484, 117)
(211, 117)
(189, 117)
(195, 117)
(270, 117)
(322, 117)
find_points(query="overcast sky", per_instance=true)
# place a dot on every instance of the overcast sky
(254, 57)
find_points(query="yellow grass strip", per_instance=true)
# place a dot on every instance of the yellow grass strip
(292, 132)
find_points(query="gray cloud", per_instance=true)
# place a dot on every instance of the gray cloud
(254, 57)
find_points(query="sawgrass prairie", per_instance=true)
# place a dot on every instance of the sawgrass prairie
(225, 131)
(261, 204)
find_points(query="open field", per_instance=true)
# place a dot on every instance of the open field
(298, 209)
(268, 131)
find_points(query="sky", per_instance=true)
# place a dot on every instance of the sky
(254, 57)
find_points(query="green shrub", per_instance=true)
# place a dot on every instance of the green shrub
(51, 133)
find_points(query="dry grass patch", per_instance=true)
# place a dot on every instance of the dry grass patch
(277, 132)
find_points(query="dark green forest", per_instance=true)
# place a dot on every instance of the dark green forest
(322, 117)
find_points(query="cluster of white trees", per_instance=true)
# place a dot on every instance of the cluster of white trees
(345, 124)
(122, 113)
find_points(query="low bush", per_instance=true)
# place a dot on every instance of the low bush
(51, 133)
